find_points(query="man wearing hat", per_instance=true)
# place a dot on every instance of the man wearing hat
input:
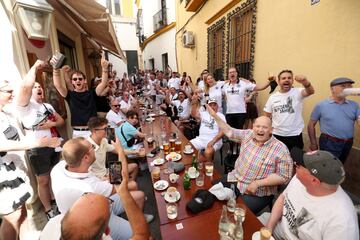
(314, 206)
(209, 134)
(336, 116)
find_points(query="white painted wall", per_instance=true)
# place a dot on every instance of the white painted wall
(165, 43)
(126, 34)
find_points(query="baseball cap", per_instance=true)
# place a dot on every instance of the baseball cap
(322, 164)
(211, 100)
(340, 80)
(201, 200)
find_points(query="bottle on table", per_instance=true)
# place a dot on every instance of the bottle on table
(238, 231)
(225, 225)
(194, 162)
(186, 182)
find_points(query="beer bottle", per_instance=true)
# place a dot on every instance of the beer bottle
(186, 182)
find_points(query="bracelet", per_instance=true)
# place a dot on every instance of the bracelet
(307, 86)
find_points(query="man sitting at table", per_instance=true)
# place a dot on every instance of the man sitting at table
(129, 135)
(263, 163)
(209, 134)
(95, 208)
(314, 206)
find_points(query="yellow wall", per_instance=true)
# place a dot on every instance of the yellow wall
(127, 8)
(319, 41)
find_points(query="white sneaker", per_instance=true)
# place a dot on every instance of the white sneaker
(148, 218)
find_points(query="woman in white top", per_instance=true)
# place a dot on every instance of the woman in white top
(213, 89)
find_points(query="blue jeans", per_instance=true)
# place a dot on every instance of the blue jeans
(119, 227)
(340, 150)
(254, 203)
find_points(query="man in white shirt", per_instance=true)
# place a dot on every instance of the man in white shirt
(314, 206)
(285, 108)
(210, 134)
(71, 178)
(115, 116)
(174, 81)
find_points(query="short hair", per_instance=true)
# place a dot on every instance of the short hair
(74, 150)
(285, 71)
(68, 232)
(78, 72)
(95, 122)
(131, 113)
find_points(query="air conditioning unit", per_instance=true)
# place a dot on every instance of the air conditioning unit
(188, 39)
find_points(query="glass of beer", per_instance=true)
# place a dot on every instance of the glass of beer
(178, 146)
(166, 147)
(172, 142)
(150, 140)
(209, 169)
(265, 233)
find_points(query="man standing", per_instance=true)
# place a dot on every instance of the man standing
(174, 81)
(37, 119)
(82, 102)
(263, 164)
(314, 206)
(337, 116)
(285, 108)
(210, 134)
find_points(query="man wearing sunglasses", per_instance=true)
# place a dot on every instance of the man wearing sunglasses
(82, 102)
(115, 116)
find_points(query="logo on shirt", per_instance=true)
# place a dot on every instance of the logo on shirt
(285, 108)
(180, 109)
(209, 123)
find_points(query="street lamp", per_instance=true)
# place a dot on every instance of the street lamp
(35, 17)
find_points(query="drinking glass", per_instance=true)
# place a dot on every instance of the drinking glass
(171, 210)
(200, 180)
(178, 146)
(200, 165)
(240, 211)
(209, 168)
(231, 203)
(265, 233)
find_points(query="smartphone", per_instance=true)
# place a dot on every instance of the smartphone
(115, 172)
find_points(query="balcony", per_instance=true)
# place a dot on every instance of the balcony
(160, 20)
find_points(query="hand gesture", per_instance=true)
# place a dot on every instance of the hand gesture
(66, 68)
(39, 64)
(104, 62)
(251, 188)
(300, 79)
(46, 125)
(52, 142)
(271, 78)
(195, 97)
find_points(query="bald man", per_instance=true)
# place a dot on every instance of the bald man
(263, 163)
(96, 209)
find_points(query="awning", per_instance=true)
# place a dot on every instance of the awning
(93, 19)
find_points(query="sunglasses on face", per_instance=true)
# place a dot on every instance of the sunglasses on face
(79, 78)
(7, 91)
(116, 105)
(101, 129)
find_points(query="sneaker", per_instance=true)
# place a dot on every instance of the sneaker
(148, 218)
(50, 214)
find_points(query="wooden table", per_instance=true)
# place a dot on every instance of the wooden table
(203, 225)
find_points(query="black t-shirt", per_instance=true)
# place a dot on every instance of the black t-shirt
(82, 106)
(102, 104)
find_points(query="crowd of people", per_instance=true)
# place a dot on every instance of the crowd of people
(269, 149)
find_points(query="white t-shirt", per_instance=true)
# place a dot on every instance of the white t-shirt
(235, 96)
(208, 126)
(98, 167)
(152, 86)
(216, 92)
(286, 112)
(69, 186)
(114, 118)
(33, 114)
(125, 105)
(174, 82)
(306, 217)
(183, 108)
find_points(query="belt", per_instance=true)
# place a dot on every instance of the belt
(336, 139)
(81, 129)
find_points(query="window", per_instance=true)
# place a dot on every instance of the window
(67, 47)
(165, 61)
(216, 35)
(152, 64)
(114, 7)
(241, 39)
